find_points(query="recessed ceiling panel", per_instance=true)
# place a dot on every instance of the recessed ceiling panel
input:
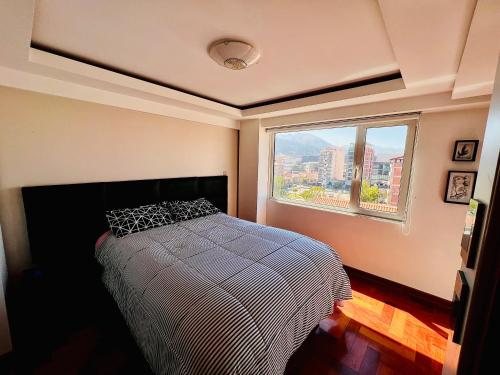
(428, 37)
(305, 45)
(476, 74)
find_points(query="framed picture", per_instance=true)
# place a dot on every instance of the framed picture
(472, 229)
(460, 187)
(460, 294)
(465, 150)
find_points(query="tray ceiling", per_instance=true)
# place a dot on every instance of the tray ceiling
(306, 46)
(317, 56)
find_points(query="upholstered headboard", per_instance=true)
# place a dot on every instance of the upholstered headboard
(64, 222)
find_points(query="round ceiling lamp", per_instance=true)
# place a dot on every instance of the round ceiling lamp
(233, 54)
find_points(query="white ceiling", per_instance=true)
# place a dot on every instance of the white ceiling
(305, 45)
(445, 47)
(428, 36)
(479, 60)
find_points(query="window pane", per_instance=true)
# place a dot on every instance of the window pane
(314, 166)
(382, 168)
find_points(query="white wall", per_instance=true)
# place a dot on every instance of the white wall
(425, 252)
(51, 140)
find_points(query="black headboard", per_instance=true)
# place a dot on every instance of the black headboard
(64, 221)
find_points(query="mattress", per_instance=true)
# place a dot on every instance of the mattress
(220, 295)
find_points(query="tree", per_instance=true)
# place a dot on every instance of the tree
(292, 195)
(279, 184)
(369, 193)
(313, 192)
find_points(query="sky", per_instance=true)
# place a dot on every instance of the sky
(393, 137)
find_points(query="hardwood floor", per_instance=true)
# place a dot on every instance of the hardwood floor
(376, 333)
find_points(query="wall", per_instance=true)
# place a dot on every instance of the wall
(263, 175)
(425, 252)
(247, 172)
(52, 140)
(253, 171)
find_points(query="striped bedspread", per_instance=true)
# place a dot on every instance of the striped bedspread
(220, 295)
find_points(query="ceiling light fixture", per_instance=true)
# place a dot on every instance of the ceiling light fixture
(233, 54)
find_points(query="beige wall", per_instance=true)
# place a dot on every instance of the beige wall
(248, 164)
(425, 252)
(263, 175)
(51, 140)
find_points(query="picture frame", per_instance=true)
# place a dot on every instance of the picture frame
(460, 295)
(460, 186)
(465, 150)
(472, 230)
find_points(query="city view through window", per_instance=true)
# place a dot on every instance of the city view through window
(317, 167)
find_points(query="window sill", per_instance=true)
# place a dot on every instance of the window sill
(339, 211)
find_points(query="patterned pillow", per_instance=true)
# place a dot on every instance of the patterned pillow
(130, 220)
(187, 210)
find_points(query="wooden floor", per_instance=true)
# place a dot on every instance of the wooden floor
(376, 333)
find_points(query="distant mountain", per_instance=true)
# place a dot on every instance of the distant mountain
(310, 158)
(308, 146)
(299, 144)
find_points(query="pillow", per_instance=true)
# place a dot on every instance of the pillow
(131, 220)
(206, 207)
(187, 210)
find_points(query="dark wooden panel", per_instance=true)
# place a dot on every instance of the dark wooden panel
(460, 296)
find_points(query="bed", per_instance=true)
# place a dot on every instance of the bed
(212, 295)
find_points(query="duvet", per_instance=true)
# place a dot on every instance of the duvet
(220, 295)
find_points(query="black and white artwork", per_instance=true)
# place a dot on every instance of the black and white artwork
(460, 187)
(465, 150)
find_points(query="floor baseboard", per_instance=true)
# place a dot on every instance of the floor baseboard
(413, 294)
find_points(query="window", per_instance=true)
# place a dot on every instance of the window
(359, 167)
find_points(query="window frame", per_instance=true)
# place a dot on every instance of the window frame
(361, 125)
